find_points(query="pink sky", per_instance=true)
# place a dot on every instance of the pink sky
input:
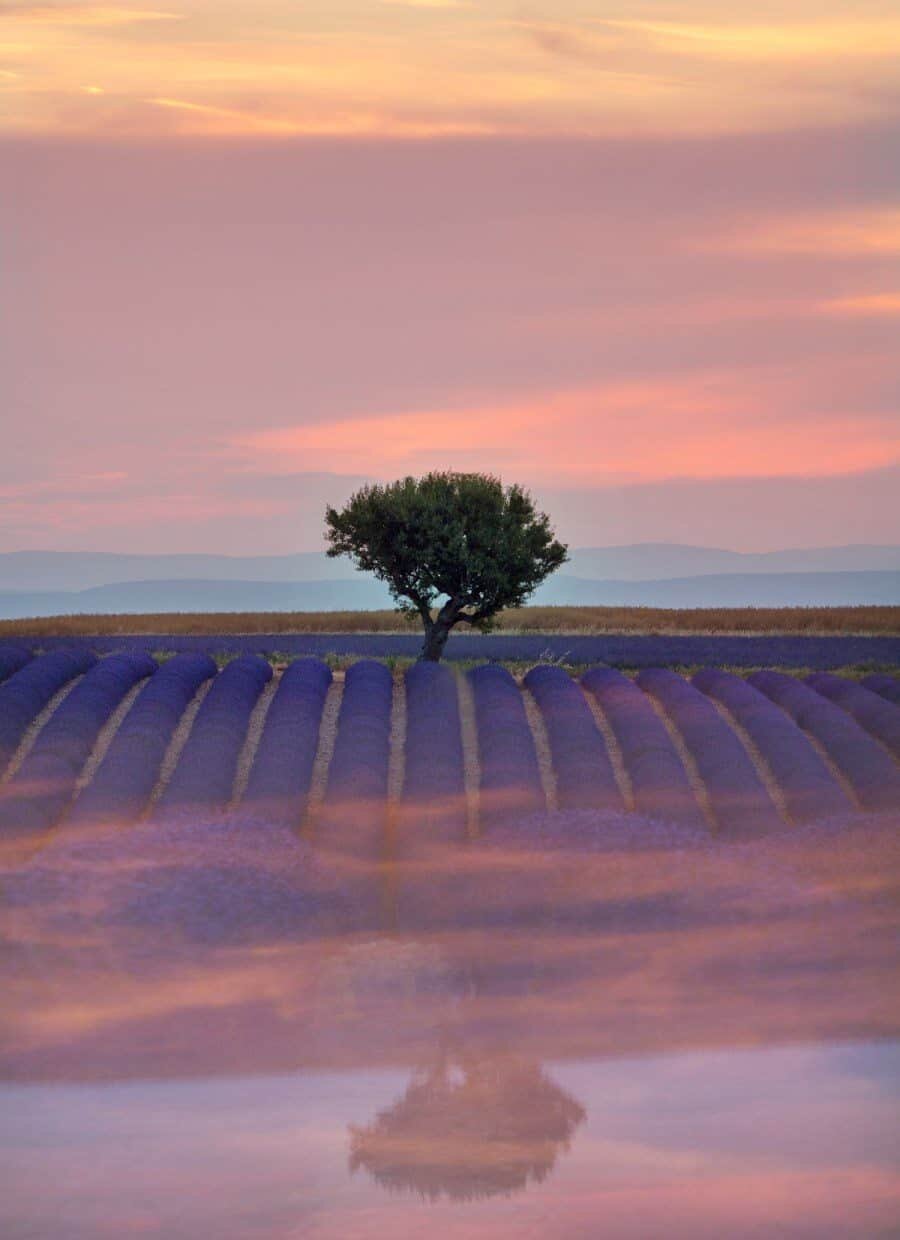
(381, 238)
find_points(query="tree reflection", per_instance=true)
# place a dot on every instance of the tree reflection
(469, 1127)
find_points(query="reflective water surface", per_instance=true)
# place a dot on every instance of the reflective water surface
(583, 1025)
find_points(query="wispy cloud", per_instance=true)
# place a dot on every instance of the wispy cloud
(439, 67)
(633, 432)
(428, 4)
(864, 306)
(570, 42)
(234, 122)
(861, 36)
(872, 231)
(83, 15)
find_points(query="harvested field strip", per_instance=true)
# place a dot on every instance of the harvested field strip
(545, 620)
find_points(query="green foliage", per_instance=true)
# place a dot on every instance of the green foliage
(460, 536)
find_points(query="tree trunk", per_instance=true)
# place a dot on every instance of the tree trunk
(435, 641)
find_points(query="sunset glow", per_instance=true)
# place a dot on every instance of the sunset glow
(413, 67)
(257, 253)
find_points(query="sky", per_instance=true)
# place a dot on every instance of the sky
(642, 257)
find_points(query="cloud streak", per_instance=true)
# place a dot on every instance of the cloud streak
(444, 67)
(622, 326)
(640, 432)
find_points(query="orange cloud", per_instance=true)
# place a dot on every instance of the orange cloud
(448, 65)
(787, 40)
(75, 15)
(873, 304)
(832, 233)
(236, 122)
(638, 432)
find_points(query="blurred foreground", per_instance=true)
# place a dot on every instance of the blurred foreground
(582, 1021)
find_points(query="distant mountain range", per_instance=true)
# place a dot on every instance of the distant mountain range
(648, 574)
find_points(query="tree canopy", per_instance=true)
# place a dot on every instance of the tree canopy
(463, 537)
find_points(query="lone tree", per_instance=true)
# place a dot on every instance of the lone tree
(460, 536)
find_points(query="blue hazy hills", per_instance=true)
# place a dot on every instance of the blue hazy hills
(43, 583)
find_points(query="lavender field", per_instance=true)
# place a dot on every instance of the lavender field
(88, 738)
(820, 653)
(397, 949)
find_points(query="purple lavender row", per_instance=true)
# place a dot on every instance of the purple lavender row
(738, 797)
(584, 773)
(38, 793)
(204, 776)
(659, 782)
(867, 768)
(823, 653)
(354, 813)
(510, 777)
(885, 686)
(434, 791)
(13, 659)
(282, 767)
(28, 691)
(879, 718)
(810, 790)
(124, 780)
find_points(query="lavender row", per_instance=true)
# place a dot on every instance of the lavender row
(355, 809)
(809, 789)
(282, 767)
(878, 717)
(124, 781)
(659, 782)
(38, 793)
(13, 659)
(510, 776)
(205, 773)
(622, 650)
(872, 775)
(581, 763)
(434, 792)
(28, 691)
(738, 797)
(885, 686)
